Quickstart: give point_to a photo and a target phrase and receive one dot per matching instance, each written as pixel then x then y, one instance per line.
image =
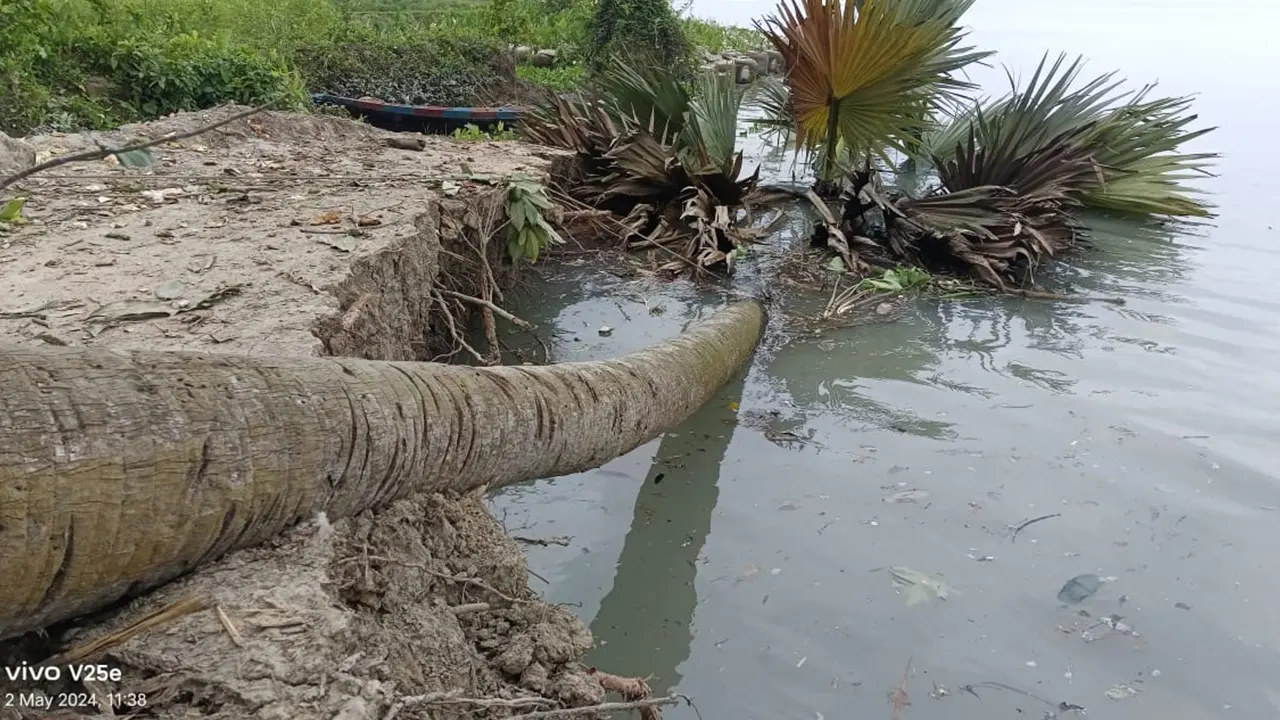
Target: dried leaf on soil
pixel 333 217
pixel 343 243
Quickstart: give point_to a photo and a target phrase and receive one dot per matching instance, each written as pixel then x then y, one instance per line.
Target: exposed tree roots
pixel 471 284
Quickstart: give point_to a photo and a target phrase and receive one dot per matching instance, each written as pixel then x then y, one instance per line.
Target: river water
pixel 744 563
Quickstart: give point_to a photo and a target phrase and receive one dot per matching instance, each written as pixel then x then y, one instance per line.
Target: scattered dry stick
pixel 229 626
pixel 444 576
pixel 169 613
pixel 1023 526
pixel 452 698
pixel 101 153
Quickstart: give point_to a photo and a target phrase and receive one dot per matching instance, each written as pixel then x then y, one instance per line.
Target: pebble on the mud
pixel 605 331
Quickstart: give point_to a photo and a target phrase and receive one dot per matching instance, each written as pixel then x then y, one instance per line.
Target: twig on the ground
pixel 446 576
pixel 465 608
pixel 591 710
pixel 101 153
pixel 168 613
pixel 1032 521
pixel 229 626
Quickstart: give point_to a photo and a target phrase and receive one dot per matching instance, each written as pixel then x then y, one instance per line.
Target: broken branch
pixel 101 153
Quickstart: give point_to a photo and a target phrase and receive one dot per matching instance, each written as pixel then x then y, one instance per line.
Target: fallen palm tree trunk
pixel 122 470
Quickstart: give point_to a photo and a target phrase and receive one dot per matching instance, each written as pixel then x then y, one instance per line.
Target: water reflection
pixel 644 624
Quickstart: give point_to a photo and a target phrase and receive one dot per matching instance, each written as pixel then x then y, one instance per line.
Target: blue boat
pixel 428 118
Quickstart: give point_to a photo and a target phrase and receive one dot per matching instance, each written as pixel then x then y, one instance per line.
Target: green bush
pixel 714 37
pixel 432 70
pixel 643 32
pixel 160 75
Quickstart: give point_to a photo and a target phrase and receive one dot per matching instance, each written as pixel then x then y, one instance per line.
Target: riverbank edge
pixel 422 609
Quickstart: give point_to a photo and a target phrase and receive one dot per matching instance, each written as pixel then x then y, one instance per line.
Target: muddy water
pixel 742 559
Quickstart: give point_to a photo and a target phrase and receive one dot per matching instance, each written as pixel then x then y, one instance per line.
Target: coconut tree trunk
pixel 122 470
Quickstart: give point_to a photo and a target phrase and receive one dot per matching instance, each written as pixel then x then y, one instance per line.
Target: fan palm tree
pixel 867 74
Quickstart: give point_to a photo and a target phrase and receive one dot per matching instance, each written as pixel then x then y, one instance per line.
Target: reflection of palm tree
pixel 643 625
pixel 817 375
pixel 1129 259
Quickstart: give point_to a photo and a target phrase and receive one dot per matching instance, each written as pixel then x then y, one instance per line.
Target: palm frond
pixel 868 71
pixel 1143 172
pixel 711 127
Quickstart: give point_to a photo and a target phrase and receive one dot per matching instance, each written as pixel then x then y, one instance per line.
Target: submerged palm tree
pixel 1005 176
pixel 998 181
pixel 660 153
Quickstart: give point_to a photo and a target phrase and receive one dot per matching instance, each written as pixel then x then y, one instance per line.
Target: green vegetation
pixel 911 169
pixel 70 64
pixel 528 232
pixel 473 133
pixel 560 79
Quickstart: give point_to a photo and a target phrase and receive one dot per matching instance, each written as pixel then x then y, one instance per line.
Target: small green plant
pixel 472 133
pixel 900 279
pixel 528 232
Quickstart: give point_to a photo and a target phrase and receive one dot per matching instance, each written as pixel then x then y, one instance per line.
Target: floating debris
pixel 1080 588
pixel 918 587
pixel 907 496
pixel 1121 691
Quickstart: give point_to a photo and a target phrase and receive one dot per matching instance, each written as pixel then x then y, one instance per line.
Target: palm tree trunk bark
pixel 122 470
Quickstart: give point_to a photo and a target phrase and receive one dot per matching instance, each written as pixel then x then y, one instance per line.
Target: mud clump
pixel 415 607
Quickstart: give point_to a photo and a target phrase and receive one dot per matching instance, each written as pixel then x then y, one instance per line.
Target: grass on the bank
pixel 72 64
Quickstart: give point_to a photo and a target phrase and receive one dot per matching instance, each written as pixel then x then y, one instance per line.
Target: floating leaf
pixel 918 587
pixel 907 496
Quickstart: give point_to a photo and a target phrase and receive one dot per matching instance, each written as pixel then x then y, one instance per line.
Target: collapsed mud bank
pixel 288 234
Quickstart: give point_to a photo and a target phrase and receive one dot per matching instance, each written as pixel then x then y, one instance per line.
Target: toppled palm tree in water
pixel 870 79
pixel 661 155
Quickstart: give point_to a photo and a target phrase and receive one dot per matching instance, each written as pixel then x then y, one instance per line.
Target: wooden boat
pixel 429 118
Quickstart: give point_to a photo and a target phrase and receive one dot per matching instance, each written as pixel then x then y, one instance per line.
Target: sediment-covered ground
pixel 310 235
